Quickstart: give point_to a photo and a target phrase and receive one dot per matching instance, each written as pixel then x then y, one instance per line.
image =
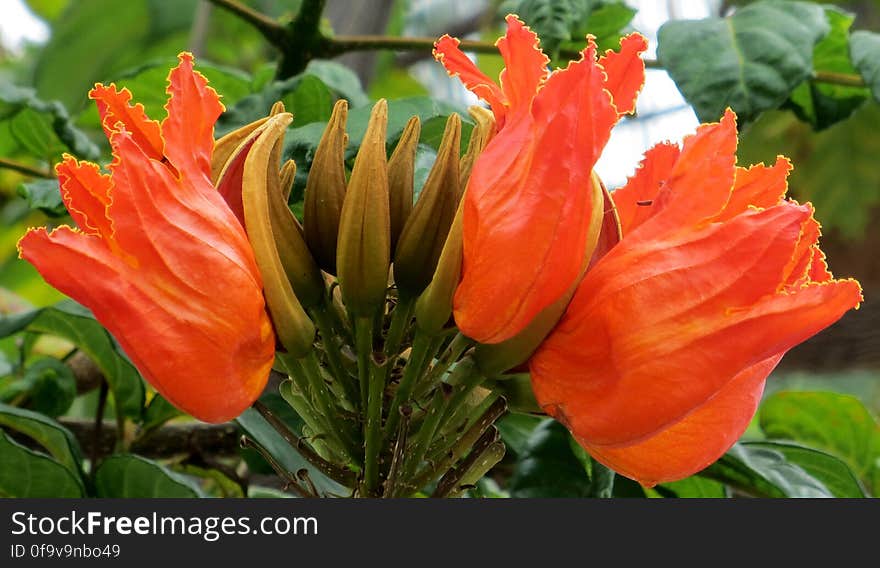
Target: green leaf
pixel 837 423
pixel 158 412
pixel 42 128
pixel 45 195
pixel 52 386
pixel 516 429
pixel 256 428
pixel 55 438
pixel 340 79
pixel 764 469
pixel 605 22
pixel 865 53
pixel 148 82
pixel 830 470
pixel 835 169
pixel 33 130
pixel 750 61
pixel 823 104
pixel 47 9
pixel 694 487
pixel 26 473
pixel 73 322
pixel 552 20
pixel 311 101
pixel 95 40
pixel 547 467
pixel 131 476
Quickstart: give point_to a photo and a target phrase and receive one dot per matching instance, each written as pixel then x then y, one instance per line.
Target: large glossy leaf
pixel 342 80
pixel 547 467
pixel 750 61
pixel 311 101
pixel 55 438
pixel 865 53
pixel 837 423
pixel 516 429
pixel 91 41
pixel 40 128
pixel 131 476
pixel 830 470
pixel 26 473
pixel 820 103
pixel 835 169
pixel 43 194
pixel 74 323
pixel 693 487
pixel 51 386
pixel 774 469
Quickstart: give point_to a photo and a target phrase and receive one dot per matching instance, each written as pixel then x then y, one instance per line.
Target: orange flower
pixel 530 200
pixel 659 363
pixel 159 257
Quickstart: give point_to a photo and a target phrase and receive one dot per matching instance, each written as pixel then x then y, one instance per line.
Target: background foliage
pixel 77 420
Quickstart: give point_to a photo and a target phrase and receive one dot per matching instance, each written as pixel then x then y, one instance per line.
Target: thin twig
pixel 94 454
pixel 271 30
pixel 8 164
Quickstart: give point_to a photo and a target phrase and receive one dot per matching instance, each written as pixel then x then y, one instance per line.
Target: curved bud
pixel 401 168
pixel 288 176
pixel 294 329
pixel 325 190
pixel 225 147
pixel 483 131
pixel 496 358
pixel 364 244
pixel 434 306
pixel 424 234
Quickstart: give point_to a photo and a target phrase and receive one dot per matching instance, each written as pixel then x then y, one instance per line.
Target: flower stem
pixel 373 424
pixel 419 358
pixel 363 337
pixel 342 377
pixel 487 452
pixel 334 472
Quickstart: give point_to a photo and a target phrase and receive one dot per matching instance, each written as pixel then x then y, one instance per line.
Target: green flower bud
pixel 401 168
pixel 325 190
pixel 294 329
pixel 424 233
pixel 363 255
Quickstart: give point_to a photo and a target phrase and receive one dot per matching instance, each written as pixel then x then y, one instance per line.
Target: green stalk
pixel 423 437
pixel 338 427
pixel 363 337
pixel 462 444
pixel 332 348
pixel 373 426
pixel 419 359
pixel 487 452
pixel 400 319
pixel 450 355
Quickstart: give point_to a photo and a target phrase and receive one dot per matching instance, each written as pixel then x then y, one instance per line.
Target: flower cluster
pixel 648 317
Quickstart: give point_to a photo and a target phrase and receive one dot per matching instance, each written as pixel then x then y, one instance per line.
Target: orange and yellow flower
pixel 660 360
pixel 160 257
pixel 531 204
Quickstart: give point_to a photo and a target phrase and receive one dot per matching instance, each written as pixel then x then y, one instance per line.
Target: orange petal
pixel 797 271
pixel 758 186
pixel 610 233
pixel 457 64
pixel 525 63
pixel 187 219
pixel 626 72
pixel 115 107
pixel 818 267
pixel 697 440
pixel 634 201
pixel 700 185
pixel 86 194
pixel 527 213
pixel 193 108
pixel 229 185
pixel 656 329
